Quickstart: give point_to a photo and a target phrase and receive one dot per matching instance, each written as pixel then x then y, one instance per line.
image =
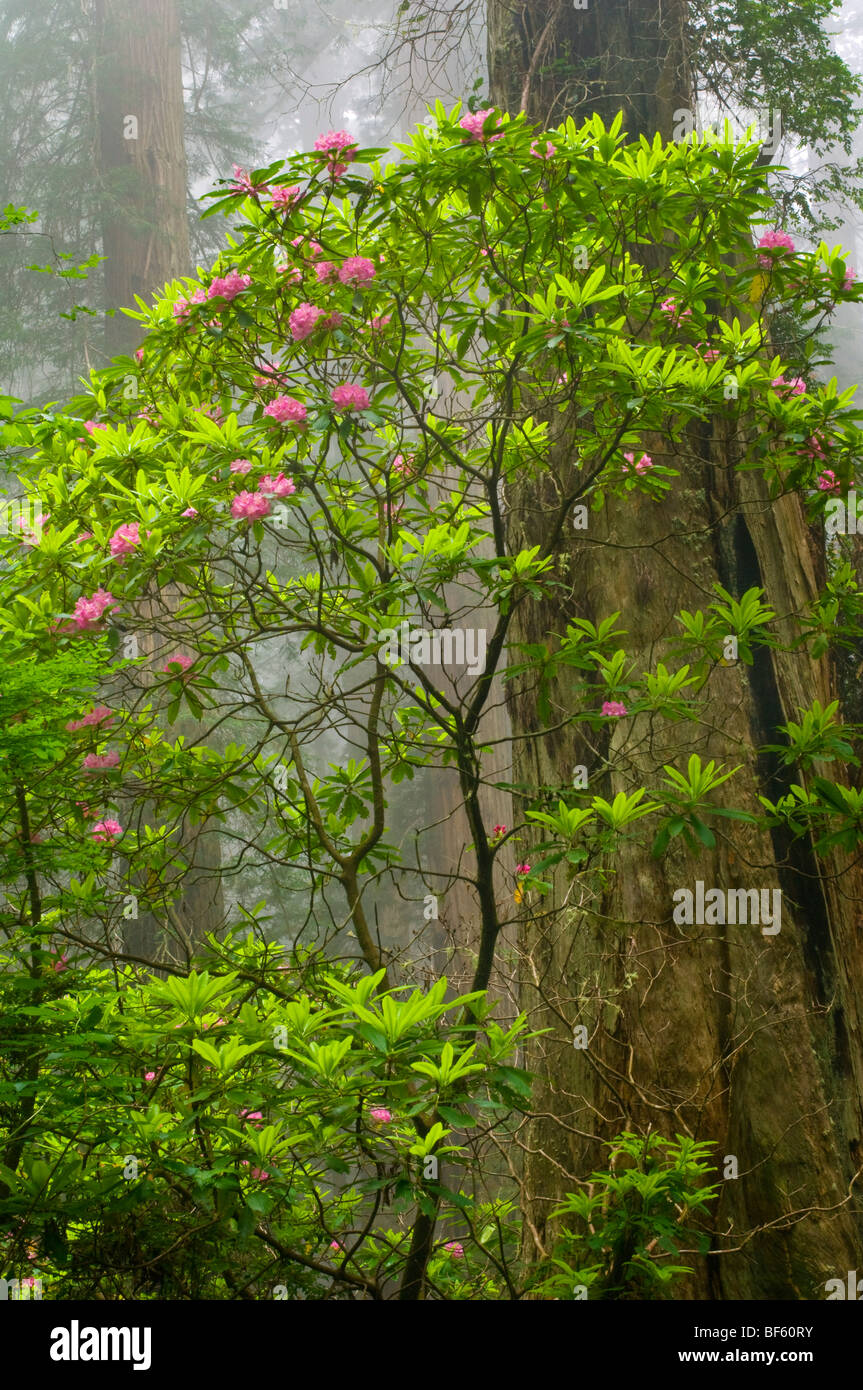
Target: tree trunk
pixel 748 1041
pixel 139 97
pixel 145 240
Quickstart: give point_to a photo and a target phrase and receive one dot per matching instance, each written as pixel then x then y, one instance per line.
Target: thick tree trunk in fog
pixel 139 95
pixel 553 60
pixel 145 235
pixel 754 1043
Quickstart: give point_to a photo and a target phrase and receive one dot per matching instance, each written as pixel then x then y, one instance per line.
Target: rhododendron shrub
pixel 335 430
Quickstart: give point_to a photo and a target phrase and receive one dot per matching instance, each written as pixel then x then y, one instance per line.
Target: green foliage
pixel 350 524
pixel 236 1130
pixel 625 1231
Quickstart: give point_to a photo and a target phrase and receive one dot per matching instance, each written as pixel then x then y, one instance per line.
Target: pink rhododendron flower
pixel 183 307
pixel 350 397
pixel 124 540
pixel 92 425
pixel 98 715
pixel 285 198
pixel 280 486
pixel 286 411
pixel 241 466
pixel 613 709
pixel 670 306
pixel 498 830
pixel 796 385
pixel 249 506
pixel 251 1115
pixel 149 1076
pixel 403 465
pixel 190 511
pixel 357 270
pixel 774 241
pixel 522 869
pixel 827 481
pixel 815 446
pixel 380 1115
pixel 334 320
pixel 107 830
pixel 455 1249
pixel 542 154
pixel 32 536
pixel 184 662
pixel 95 762
pixel 850 277
pixel 84 536
pixel 473 124
pixel 88 611
pixel 325 271
pixel 377 325
pixel 229 286
pixel 304 320
pixel 243 183
pixel 642 466
pixel 335 1245
pixel 314 247
pixel 139 355
pixel 337 142
pixel 268 374
pixel 61 963
pixel 257 1173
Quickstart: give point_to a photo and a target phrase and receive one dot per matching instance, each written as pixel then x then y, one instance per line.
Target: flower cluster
pixel 350 397
pixel 357 270
pixel 335 146
pixel 675 312
pixel 773 241
pixel 641 466
pixel 96 762
pixel 473 124
pixel 613 709
pixel 183 307
pixel 178 660
pixel 304 320
pixel 106 831
pixel 89 611
pixel 249 506
pixel 98 715
pixel 285 198
pixel 827 481
pixel 796 385
pixel 243 184
pixel 229 286
pixel 286 411
pixel 280 486
pixel 124 540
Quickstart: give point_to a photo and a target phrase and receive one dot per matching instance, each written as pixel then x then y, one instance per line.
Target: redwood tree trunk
pixel 145 240
pixel 139 95
pixel 752 1042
